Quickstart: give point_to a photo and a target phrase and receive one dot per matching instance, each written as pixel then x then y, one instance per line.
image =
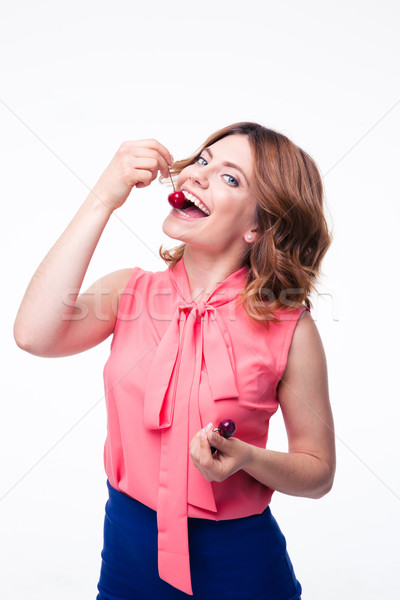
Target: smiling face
pixel 220 181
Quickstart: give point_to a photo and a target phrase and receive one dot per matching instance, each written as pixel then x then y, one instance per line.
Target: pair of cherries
pixel 226 429
pixel 176 199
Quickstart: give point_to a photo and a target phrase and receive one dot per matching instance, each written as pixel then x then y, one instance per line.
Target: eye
pixel 202 161
pixel 231 180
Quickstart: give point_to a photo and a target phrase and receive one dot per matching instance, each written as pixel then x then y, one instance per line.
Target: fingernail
pixel 202 434
pixel 208 427
pixel 213 436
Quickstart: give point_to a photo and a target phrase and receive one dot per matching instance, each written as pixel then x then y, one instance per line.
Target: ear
pixel 251 235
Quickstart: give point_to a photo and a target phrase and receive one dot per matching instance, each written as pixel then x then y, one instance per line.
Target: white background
pixel 78 78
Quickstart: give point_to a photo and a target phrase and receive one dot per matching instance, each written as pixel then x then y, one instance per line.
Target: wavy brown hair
pixel 284 262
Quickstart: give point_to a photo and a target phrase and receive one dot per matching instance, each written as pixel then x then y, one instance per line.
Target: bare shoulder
pixel 105 292
pixel 306 373
pixel 117 279
pixel 306 362
pixel 114 282
pixel 306 349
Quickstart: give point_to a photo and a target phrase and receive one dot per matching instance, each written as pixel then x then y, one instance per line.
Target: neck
pixel 206 272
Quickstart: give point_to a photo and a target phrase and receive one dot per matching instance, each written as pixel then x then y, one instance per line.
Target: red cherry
pixel 177 199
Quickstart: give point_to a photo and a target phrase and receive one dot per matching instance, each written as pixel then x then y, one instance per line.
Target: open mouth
pixel 193 207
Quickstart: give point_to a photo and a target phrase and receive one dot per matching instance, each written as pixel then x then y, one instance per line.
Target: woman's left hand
pixel 231 456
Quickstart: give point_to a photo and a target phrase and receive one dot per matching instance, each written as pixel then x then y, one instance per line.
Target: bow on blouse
pixel 171 405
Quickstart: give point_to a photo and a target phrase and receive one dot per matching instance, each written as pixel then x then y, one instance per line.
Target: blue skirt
pixel 236 559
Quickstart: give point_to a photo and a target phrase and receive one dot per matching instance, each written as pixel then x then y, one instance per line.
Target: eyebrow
pixel 229 164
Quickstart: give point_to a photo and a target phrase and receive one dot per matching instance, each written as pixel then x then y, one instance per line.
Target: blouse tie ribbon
pixel 171 405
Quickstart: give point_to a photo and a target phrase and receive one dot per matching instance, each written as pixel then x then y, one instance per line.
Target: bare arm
pixel 50 321
pixel 44 315
pixel 309 466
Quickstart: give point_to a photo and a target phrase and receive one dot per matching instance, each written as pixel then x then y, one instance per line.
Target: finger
pixel 199 444
pixel 152 155
pixel 158 147
pixel 144 178
pixel 165 153
pixel 205 454
pixel 216 440
pixel 204 432
pixel 145 164
pixel 194 447
pixel 204 446
pixel 209 466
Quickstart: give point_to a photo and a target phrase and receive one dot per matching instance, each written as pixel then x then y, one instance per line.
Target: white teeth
pixel 182 213
pixel 197 202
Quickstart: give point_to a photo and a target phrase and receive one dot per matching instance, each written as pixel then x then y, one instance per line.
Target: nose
pixel 198 175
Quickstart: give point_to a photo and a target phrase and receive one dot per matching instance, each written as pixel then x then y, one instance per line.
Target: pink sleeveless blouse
pixel 176 365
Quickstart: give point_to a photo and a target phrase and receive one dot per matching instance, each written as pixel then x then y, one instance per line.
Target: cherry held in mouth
pixel 176 199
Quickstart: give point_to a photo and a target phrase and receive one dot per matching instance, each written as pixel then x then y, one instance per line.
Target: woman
pixel 224 332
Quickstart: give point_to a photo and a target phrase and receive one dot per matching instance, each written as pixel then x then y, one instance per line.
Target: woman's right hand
pixel 134 164
pixel 51 321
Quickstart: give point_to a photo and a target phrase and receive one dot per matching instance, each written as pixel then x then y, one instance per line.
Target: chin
pixel 169 231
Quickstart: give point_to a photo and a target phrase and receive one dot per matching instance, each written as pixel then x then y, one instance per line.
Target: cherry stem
pixel 172 181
